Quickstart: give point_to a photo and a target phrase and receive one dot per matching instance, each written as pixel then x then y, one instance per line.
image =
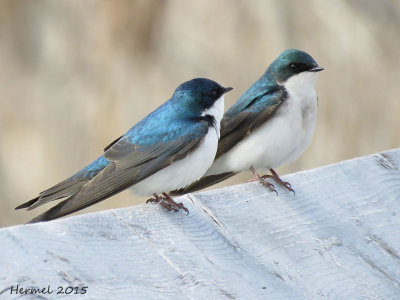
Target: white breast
pixel 283 138
pixel 189 169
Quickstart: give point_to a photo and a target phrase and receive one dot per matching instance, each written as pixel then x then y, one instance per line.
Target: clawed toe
pixel 275 177
pixel 181 206
pixel 269 185
pixel 157 199
pixel 168 203
pixel 288 186
pixel 173 206
pixel 284 184
pixel 262 180
pixel 168 206
pixel 152 200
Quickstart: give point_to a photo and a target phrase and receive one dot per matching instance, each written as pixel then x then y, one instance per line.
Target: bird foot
pixel 157 199
pixel 282 183
pixel 269 185
pixel 167 202
pixel 263 181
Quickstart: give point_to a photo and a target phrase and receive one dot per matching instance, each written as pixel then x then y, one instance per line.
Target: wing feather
pixel 238 124
pixel 129 164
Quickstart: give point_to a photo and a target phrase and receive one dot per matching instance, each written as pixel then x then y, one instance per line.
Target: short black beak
pixel 227 89
pixel 316 69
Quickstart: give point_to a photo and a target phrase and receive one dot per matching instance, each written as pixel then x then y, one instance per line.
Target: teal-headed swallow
pixel 170 148
pixel 272 123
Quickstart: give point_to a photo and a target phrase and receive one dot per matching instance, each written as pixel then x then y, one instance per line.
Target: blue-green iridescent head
pixel 291 62
pixel 199 94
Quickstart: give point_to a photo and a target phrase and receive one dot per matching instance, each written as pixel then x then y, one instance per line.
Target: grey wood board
pixel 337 238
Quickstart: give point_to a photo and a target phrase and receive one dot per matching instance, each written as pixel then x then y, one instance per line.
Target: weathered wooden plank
pixel 337 238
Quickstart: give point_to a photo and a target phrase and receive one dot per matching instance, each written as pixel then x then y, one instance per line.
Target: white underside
pixel 283 138
pixel 189 169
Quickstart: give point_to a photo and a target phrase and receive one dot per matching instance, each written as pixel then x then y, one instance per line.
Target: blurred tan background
pixel 75 75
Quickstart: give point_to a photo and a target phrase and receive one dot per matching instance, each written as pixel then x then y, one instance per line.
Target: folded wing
pixel 128 163
pixel 237 124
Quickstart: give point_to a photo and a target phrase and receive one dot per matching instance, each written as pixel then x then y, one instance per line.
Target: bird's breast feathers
pixel 281 139
pixel 187 170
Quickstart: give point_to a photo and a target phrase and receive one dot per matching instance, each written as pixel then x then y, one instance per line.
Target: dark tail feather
pixel 27 204
pixel 53 213
pixel 203 183
pixel 64 189
pixel 72 204
pixel 88 195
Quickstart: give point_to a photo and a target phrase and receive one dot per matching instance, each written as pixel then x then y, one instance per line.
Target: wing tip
pixel 53 213
pixel 41 218
pixel 203 183
pixel 27 204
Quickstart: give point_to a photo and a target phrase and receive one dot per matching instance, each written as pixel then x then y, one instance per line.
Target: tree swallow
pixel 272 122
pixel 170 148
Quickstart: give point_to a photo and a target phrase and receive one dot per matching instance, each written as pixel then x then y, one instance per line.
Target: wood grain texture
pixel 337 238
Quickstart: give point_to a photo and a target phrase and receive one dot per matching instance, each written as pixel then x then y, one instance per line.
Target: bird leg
pixel 174 205
pixel 167 202
pixel 262 180
pixel 276 177
pixel 157 199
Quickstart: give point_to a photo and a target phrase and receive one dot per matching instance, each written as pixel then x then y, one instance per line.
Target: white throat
pixel 216 111
pixel 282 138
pixel 301 84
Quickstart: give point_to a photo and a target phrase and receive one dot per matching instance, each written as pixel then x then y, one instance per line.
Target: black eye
pixel 214 93
pixel 294 67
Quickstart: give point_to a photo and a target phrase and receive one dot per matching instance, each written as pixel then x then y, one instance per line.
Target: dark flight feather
pixel 112 143
pixel 129 165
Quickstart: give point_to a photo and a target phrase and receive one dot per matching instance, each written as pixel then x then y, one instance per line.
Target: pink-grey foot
pixel 160 200
pixel 157 199
pixel 262 180
pixel 174 205
pixel 282 183
pixel 167 202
